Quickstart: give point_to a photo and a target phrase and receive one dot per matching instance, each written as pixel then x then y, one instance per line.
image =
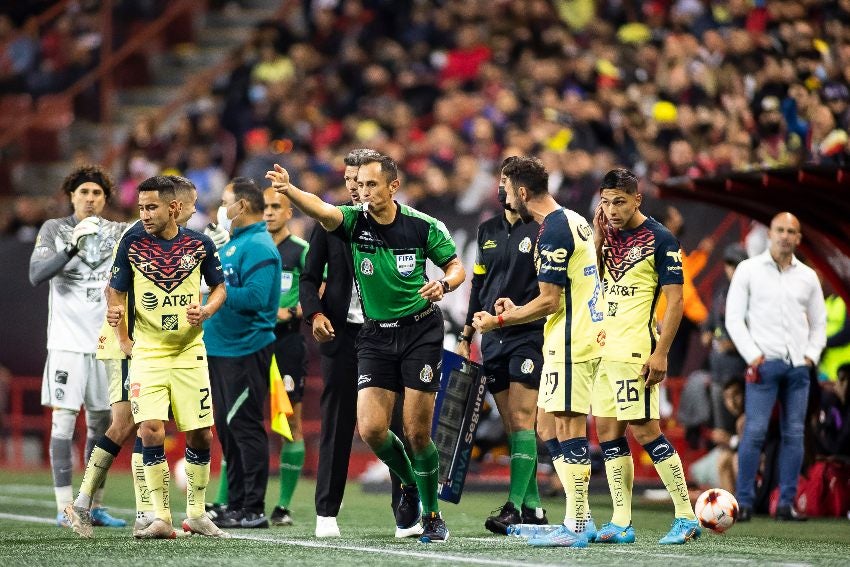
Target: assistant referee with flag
pixel 399 348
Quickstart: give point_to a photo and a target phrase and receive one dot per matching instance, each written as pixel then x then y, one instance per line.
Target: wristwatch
pixel 446 287
pixel 464 338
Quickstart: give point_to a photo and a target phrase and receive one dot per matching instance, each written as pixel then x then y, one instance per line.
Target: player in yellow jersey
pixel 160 329
pixel 570 293
pixel 122 428
pixel 639 259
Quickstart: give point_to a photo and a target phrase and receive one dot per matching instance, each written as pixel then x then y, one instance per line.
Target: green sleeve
pixel 349 216
pixel 441 247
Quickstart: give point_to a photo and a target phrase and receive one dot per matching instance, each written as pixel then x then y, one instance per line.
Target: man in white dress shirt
pixel 776 317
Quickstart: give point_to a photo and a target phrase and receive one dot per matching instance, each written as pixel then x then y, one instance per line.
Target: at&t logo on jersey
pixel 149 301
pixel 405 263
pixel 366 267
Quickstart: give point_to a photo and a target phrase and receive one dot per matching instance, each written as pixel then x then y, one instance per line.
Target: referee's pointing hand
pixel 280 179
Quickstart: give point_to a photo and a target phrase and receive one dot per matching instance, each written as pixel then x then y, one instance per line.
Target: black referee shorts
pixel 407 355
pixel 291 355
pixel 515 359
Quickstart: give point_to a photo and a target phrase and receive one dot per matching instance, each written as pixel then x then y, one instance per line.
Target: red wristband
pixel 501 321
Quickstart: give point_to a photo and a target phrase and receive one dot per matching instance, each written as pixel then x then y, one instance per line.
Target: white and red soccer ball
pixel 716 509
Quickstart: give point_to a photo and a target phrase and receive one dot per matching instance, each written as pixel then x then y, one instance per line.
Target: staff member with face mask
pixel 239 340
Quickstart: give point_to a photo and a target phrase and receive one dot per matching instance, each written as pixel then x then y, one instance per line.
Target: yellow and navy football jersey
pixel 566 256
pixel 638 263
pixel 162 278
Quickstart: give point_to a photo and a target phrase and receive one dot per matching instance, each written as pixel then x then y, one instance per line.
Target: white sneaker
pixel 80 520
pixel 158 529
pixel 143 520
pixel 202 525
pixel 326 527
pixel 413 531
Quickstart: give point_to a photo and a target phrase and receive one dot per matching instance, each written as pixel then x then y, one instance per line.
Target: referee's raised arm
pixel 328 215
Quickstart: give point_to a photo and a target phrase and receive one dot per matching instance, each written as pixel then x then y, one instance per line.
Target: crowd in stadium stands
pixel 667 88
pixel 47 57
pixel 684 88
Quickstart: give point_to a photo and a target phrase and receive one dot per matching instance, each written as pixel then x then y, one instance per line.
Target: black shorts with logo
pixel 518 358
pixel 290 352
pixel 406 353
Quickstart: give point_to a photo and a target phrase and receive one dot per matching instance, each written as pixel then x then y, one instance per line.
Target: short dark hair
pixel 529 173
pixel 356 157
pixel 88 174
pixel 388 166
pixel 246 188
pixel 507 161
pixel 161 183
pixel 182 184
pixel 622 179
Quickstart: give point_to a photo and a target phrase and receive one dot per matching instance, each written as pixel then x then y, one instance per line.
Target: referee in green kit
pixel 399 349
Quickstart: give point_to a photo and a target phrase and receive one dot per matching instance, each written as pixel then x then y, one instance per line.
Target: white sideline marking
pixel 12 489
pixel 455 558
pixel 400 553
pixel 32 519
pixel 52 504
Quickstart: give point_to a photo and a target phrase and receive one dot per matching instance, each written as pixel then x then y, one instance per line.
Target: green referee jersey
pixel 293 256
pixel 389 260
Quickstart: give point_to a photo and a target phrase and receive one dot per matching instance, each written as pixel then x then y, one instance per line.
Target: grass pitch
pixel 28 536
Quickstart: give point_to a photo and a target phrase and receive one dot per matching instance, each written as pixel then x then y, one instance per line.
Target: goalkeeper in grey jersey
pixel 74 253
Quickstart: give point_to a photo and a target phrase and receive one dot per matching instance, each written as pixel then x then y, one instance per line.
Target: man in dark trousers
pixel 240 340
pixel 335 317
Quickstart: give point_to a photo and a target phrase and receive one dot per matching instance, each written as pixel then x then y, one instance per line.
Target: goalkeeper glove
pixel 217 234
pixel 85 227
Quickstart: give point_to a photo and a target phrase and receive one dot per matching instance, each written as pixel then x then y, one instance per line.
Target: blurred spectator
pixel 695 311
pixel 208 178
pixel 837 352
pixel 833 419
pixel 723 359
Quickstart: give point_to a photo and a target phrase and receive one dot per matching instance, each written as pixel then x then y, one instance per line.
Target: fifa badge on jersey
pixel 405 263
pixel 527 366
pixel 525 245
pixel 170 322
pixel 285 281
pixel 366 267
pixel 426 374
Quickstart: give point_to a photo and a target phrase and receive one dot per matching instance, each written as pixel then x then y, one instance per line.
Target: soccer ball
pixel 716 509
pixel 179 476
